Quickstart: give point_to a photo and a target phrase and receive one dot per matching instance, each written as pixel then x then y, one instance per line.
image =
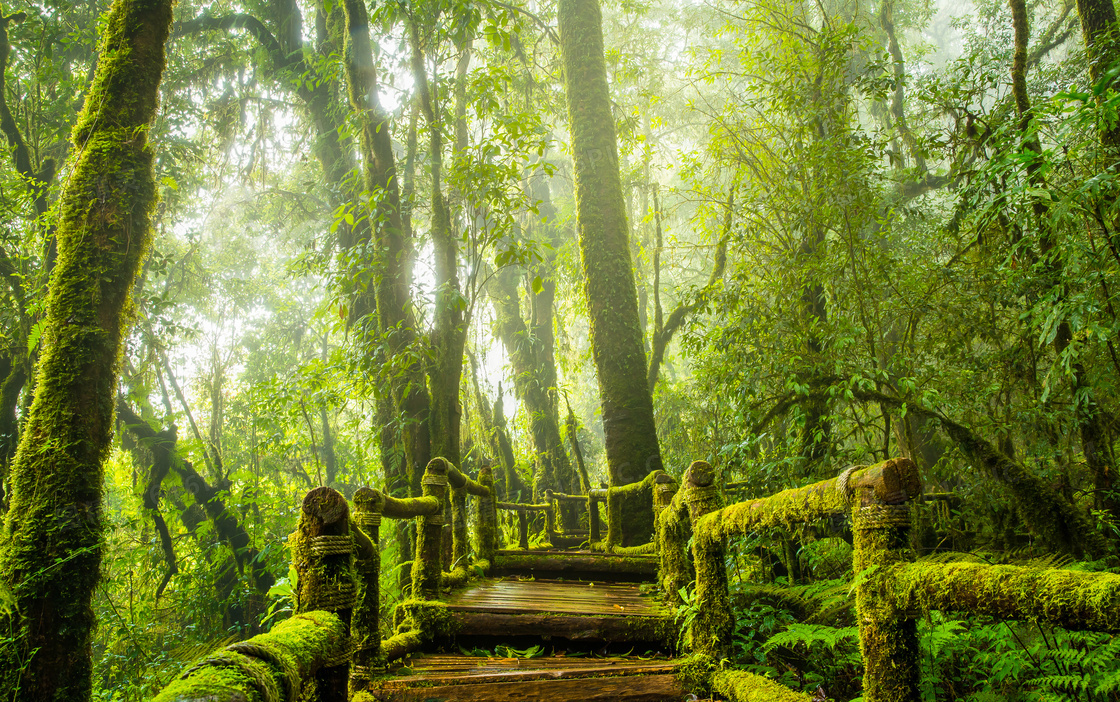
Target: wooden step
pixel 430 678
pixel 587 565
pixel 572 610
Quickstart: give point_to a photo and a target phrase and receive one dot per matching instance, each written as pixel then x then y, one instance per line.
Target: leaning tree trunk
pixel 616 337
pixel 51 558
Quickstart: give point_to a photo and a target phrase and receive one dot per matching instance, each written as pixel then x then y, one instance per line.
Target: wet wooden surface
pixel 556 678
pixel 513 596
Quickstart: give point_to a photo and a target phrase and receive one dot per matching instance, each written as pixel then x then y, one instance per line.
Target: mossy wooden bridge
pixel 602 600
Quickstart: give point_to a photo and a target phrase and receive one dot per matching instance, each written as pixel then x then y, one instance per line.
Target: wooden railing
pixel 334 640
pixel 891 590
pixel 554 533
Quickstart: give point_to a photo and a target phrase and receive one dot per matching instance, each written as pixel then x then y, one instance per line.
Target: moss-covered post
pixel 50 561
pixel 486 525
pixel 323 558
pixel 674 570
pixel 460 533
pixel 712 627
pixel 365 625
pixel 427 566
pixel 594 528
pixel 523 530
pixel 551 516
pixel 888 637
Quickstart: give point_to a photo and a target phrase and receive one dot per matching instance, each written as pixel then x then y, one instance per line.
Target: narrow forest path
pixel 564 638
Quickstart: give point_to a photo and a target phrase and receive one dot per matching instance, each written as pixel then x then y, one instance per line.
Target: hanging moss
pixel 740 686
pixel 266 668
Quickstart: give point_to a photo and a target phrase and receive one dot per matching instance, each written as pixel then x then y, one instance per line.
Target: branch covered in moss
pixel 740 686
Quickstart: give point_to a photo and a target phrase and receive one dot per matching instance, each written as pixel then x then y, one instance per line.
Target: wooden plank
pixel 448 670
pixel 605 599
pixel 567 626
pixel 640 688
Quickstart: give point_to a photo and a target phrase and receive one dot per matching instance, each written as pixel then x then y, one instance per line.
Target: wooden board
pixel 574 627
pixel 450 670
pixel 511 596
pixel 628 688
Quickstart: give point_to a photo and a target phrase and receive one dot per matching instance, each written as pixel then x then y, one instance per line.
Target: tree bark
pixel 51 559
pixel 616 337
pixel 379 173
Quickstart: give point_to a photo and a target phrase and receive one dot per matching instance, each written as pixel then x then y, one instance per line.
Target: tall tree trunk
pixel 1098 27
pixel 1086 411
pixel 51 558
pixel 616 337
pixel 449 335
pixel 379 172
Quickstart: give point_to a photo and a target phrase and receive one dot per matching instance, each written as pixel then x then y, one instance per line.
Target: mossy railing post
pixel 551 516
pixel 664 487
pixel 486 525
pixel 880 534
pixel 523 530
pixel 365 628
pixel 673 529
pixel 427 566
pixel 322 555
pixel 460 534
pixel 594 521
pixel 712 627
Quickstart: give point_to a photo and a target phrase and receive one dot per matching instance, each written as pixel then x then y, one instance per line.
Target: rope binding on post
pixel 331 545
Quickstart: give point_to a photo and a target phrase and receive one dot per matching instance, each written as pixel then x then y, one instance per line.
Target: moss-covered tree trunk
pixel 51 556
pixel 616 337
pixel 1098 28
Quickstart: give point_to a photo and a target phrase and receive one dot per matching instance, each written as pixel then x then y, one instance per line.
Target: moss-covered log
pixel 1071 599
pixel 266 668
pixel 51 558
pixel 612 300
pixel 740 686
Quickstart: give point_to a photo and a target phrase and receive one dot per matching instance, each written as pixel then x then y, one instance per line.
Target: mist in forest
pixel 251 248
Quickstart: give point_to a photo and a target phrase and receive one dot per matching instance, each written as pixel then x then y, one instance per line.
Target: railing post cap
pixel 326 504
pixel 699 474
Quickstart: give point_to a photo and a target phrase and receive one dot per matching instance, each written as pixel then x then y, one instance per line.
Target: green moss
pixel 51 559
pixel 427 566
pixel 432 620
pixel 1067 598
pixel 888 637
pixel 268 665
pixel 740 686
pixel 675 570
pixel 694 674
pixel 892 482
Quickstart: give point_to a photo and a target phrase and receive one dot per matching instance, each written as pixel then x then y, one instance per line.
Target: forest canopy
pixel 249 248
